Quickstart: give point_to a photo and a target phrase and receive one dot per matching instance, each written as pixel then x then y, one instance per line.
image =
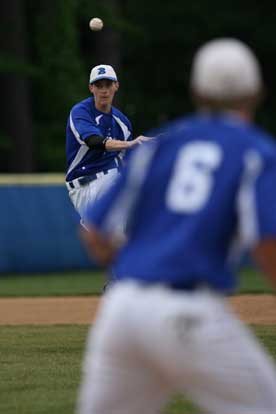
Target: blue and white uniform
pixel 90 171
pixel 198 206
pixel 193 200
pixel 86 120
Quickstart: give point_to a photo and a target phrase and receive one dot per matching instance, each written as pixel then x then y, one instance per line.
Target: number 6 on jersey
pixel 192 179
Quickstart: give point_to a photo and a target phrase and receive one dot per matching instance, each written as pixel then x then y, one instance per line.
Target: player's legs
pixel 112 385
pixel 197 344
pixel 89 193
pixel 117 378
pixel 218 362
pixel 150 341
pixel 102 185
pixel 243 378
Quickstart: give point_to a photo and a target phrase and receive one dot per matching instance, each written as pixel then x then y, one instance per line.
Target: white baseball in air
pixel 96 24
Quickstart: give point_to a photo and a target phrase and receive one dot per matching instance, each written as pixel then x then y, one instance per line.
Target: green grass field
pixel 41 365
pixel 91 283
pixel 55 284
pixel 40 368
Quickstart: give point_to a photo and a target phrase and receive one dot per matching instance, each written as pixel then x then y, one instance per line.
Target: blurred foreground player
pixel 195 199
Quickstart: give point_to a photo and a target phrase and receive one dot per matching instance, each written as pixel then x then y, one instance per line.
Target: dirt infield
pixel 257 309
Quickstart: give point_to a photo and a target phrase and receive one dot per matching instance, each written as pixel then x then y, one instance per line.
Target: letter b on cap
pixel 101 71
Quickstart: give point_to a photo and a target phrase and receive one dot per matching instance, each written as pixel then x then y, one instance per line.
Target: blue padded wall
pixel 39 230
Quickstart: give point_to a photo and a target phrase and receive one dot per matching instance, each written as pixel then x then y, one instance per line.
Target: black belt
pixel 86 179
pixel 189 286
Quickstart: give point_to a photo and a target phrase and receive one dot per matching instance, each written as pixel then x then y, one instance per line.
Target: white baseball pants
pixel 81 196
pixel 149 342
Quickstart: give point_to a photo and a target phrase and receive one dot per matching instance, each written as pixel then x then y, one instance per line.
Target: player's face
pixel 104 91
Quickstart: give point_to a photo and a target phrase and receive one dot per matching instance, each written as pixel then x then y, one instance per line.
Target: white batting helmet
pixel 225 69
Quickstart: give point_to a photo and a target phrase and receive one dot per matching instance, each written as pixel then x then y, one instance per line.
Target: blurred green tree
pixel 44 64
pixel 16 133
pixel 62 77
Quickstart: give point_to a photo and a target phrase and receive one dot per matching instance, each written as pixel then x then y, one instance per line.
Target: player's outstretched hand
pixel 140 140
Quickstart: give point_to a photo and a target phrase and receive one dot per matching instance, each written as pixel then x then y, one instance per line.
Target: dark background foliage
pixel 47 51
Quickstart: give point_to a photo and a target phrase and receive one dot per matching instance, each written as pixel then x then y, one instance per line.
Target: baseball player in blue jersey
pixel 195 200
pixel 97 134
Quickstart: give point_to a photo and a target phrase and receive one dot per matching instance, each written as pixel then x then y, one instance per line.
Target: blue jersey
pixel 85 120
pixel 194 199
